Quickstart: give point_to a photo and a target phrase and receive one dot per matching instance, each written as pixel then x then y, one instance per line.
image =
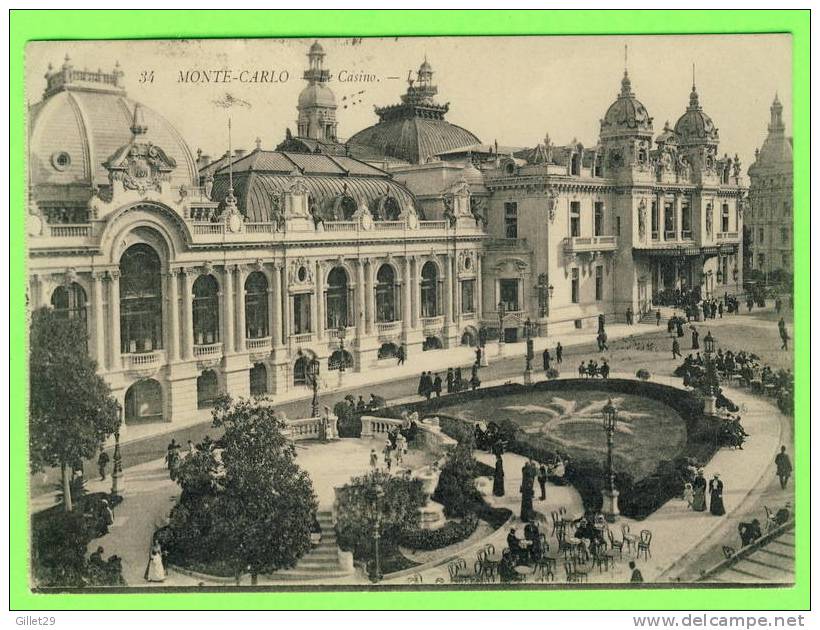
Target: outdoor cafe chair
pixel 644 543
pixel 630 540
pixel 574 572
pixel 415 579
pixel 545 569
pixel 615 544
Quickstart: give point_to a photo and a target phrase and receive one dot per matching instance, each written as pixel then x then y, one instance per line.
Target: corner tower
pixel 317 103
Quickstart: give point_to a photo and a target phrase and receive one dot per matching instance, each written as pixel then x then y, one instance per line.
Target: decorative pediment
pixel 511 265
pixel 300 273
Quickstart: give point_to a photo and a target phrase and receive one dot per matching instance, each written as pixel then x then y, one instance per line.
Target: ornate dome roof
pixel 85 119
pixel 316 49
pixel 695 126
pixel 317 95
pixel 626 114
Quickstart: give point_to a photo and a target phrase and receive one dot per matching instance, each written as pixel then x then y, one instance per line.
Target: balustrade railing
pixel 208 228
pixel 70 230
pixel 143 360
pixel 301 338
pixel 260 228
pixel 433 225
pixel 339 226
pixel 257 344
pixel 388 327
pixel 207 350
pixel 389 225
pixel 727 236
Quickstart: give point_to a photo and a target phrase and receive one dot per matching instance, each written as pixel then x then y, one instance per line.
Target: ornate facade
pixel 769 224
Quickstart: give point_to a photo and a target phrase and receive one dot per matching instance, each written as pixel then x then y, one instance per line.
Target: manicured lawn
pixel 571 421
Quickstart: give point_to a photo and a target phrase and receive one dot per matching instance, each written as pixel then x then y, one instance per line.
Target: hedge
pixel 450 533
pixel 637 499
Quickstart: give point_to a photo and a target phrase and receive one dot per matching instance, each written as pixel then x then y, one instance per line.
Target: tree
pixel 456 489
pixel 71 410
pixel 362 508
pixel 244 500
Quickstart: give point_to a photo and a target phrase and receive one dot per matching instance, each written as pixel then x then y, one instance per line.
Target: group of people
pixel 105 572
pixel 361 406
pixel 750 532
pixel 591 369
pixel 396 445
pixel 532 472
pixel 528 550
pixel 174 456
pixel 548 358
pixel 676 298
pixel 695 490
pixel 431 384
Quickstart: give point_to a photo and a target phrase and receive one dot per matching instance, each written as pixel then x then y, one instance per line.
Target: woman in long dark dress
pixel 699 492
pixel 695 335
pixel 716 496
pixel 498 477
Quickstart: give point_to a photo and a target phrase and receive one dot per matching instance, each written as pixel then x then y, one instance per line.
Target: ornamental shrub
pixel 448 534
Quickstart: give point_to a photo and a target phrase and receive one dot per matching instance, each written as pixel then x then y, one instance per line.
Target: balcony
pixel 301 338
pixel 255 345
pixel 433 225
pixel 432 325
pixel 71 230
pixel 506 244
pixel 388 328
pixel 144 363
pixel 728 236
pixel 389 225
pixel 340 226
pixel 207 350
pixel 332 334
pixel 579 244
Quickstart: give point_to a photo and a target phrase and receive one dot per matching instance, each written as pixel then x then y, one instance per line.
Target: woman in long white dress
pixel 155 572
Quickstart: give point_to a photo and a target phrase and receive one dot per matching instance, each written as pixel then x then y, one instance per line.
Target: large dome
pixel 626 114
pixel 77 128
pixel 695 126
pixel 414 140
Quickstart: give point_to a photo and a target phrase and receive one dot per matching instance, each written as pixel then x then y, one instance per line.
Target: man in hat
pixel 784 467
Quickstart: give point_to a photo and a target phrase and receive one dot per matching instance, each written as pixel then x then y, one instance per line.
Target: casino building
pixel 197 277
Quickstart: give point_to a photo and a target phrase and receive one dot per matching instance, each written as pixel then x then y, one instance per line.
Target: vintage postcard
pixel 410 313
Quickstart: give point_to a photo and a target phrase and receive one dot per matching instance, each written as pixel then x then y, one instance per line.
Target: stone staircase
pixel 321 562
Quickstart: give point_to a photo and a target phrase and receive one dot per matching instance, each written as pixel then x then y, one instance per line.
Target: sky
pixel 511 89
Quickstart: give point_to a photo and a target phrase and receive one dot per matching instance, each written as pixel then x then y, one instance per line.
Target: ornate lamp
pixel 502 312
pixel 377 522
pixel 341 334
pixel 710 402
pixel 116 473
pixel 734 274
pixel 314 381
pixel 528 330
pixel 719 276
pixel 610 494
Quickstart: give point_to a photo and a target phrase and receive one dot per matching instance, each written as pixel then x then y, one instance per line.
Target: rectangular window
pixel 468 296
pixel 760 235
pixel 575 287
pixel 669 231
pixel 761 261
pixel 599 218
pixel 599 169
pixel 724 218
pixel 599 283
pixel 301 314
pixel 617 226
pixel 784 236
pixel 655 221
pixel 686 220
pixel 574 218
pixel 509 293
pixel 511 219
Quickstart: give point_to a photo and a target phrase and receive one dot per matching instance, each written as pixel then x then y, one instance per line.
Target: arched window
pixel 259 379
pixel 386 294
pixel 207 389
pixel 429 290
pixel 338 358
pixel 256 306
pixel 206 310
pixel 140 300
pixel 388 350
pixel 300 371
pixel 69 302
pixel 143 402
pixel 392 209
pixel 346 208
pixel 337 299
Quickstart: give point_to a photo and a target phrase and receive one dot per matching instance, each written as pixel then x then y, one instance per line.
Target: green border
pixel 99 24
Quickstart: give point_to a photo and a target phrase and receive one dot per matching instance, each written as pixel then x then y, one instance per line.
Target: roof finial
pixel 230 198
pixel 693 77
pixel 258 143
pixel 138 126
pixel 626 59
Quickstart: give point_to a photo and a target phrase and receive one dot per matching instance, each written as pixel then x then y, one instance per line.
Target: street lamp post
pixel 530 353
pixel 376 576
pixel 502 312
pixel 610 494
pixel 544 295
pixel 341 335
pixel 116 473
pixel 314 382
pixel 482 342
pixel 710 400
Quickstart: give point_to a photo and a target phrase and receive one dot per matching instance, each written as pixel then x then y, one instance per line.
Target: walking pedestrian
pixel 546 359
pixel 695 336
pixel 374 458
pixel 716 496
pixel 420 390
pixel 478 356
pixel 542 481
pixel 388 451
pixel 629 315
pixel 559 353
pixel 400 356
pixel 699 491
pixel 676 349
pixel 498 476
pixel 102 462
pixel 784 467
pixel 658 318
pixel 450 377
pixel 437 386
pixel 155 571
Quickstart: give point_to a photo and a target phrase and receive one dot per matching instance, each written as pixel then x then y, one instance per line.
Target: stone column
pixel 226 299
pixel 188 314
pixel 416 289
pixel 407 300
pixel 173 333
pixel 275 307
pixel 320 302
pixel 360 299
pixel 448 290
pixel 678 217
pixel 370 298
pixel 479 291
pixel 287 317
pixel 239 305
pixel 99 320
pixel 114 318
